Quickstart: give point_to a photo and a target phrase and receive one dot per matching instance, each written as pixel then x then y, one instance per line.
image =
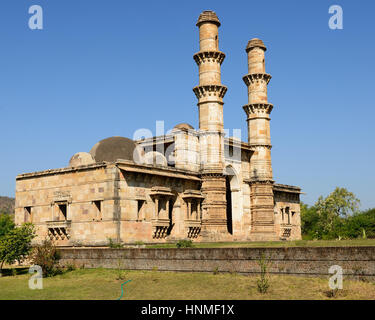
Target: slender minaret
pixel 210 94
pixel 258 119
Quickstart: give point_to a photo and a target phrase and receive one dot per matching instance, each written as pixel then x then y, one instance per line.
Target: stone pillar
pixel 258 118
pixel 210 94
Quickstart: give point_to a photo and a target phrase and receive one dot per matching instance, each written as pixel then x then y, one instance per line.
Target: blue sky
pixel 107 68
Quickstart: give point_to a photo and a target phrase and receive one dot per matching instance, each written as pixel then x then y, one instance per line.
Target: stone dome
pixel 254 43
pixel 81 159
pixel 113 149
pixel 208 16
pixel 183 126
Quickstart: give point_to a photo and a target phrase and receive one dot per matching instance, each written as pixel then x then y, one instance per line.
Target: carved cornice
pixel 210 90
pixel 255 146
pixel 256 181
pixel 209 56
pixel 254 77
pixel 258 108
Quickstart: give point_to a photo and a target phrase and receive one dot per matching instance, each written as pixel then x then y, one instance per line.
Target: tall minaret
pixel 210 94
pixel 258 118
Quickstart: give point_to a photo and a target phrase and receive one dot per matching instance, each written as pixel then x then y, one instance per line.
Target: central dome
pixel 113 149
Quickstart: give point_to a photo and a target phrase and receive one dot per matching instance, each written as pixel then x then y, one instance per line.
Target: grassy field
pixel 299 243
pixel 91 284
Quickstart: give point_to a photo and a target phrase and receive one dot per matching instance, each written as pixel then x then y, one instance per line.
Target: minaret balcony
pixel 210 90
pixel 209 56
pixel 255 110
pixel 256 77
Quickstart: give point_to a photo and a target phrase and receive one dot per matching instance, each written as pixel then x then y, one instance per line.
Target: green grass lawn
pixel 299 243
pixel 92 284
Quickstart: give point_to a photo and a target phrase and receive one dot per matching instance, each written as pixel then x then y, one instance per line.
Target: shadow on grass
pixel 10 272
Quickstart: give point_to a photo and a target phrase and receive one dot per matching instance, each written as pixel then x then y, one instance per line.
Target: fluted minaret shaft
pixel 210 93
pixel 258 111
pixel 258 118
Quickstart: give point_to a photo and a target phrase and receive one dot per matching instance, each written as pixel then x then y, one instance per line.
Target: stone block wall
pixel 310 261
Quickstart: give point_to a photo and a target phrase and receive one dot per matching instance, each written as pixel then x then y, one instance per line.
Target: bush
pixel 70 267
pixel 114 245
pixel 184 244
pixel 47 257
pixel 263 283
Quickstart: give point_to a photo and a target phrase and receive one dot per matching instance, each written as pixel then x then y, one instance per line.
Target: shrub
pixel 47 257
pixel 114 245
pixel 263 283
pixel 121 274
pixel 70 267
pixel 184 244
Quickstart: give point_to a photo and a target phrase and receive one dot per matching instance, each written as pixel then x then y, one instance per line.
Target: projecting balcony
pixel 193 228
pixel 160 227
pixel 59 230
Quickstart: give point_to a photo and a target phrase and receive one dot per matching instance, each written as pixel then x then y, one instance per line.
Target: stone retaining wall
pixel 311 261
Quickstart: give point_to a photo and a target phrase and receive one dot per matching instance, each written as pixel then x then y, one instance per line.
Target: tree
pixel 309 221
pixel 16 244
pixel 6 224
pixel 339 204
pixel 360 225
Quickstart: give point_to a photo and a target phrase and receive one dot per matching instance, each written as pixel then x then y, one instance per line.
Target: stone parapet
pixel 302 261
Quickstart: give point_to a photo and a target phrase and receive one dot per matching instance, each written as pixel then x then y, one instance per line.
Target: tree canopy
pixel 337 216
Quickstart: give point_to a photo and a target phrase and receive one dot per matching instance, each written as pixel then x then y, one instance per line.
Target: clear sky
pixel 107 68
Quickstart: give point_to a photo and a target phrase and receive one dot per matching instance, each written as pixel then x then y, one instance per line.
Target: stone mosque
pixel 190 183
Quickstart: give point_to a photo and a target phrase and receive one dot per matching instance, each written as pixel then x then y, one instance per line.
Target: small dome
pixel 81 159
pixel 208 16
pixel 255 43
pixel 183 126
pixel 113 149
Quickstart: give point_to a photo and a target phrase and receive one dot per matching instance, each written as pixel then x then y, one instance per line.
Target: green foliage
pixel 6 224
pixel 70 267
pixel 263 282
pixel 47 257
pixel 216 271
pixel 184 244
pixel 15 245
pixel 114 245
pixel 337 217
pixel 120 274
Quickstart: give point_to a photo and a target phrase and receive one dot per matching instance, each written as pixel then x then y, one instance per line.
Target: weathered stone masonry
pixel 304 261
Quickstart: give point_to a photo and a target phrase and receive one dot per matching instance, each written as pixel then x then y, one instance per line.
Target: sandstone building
pixel 187 184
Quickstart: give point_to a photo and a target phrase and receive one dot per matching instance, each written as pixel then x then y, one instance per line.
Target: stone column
pixel 156 214
pixel 210 94
pixel 258 118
